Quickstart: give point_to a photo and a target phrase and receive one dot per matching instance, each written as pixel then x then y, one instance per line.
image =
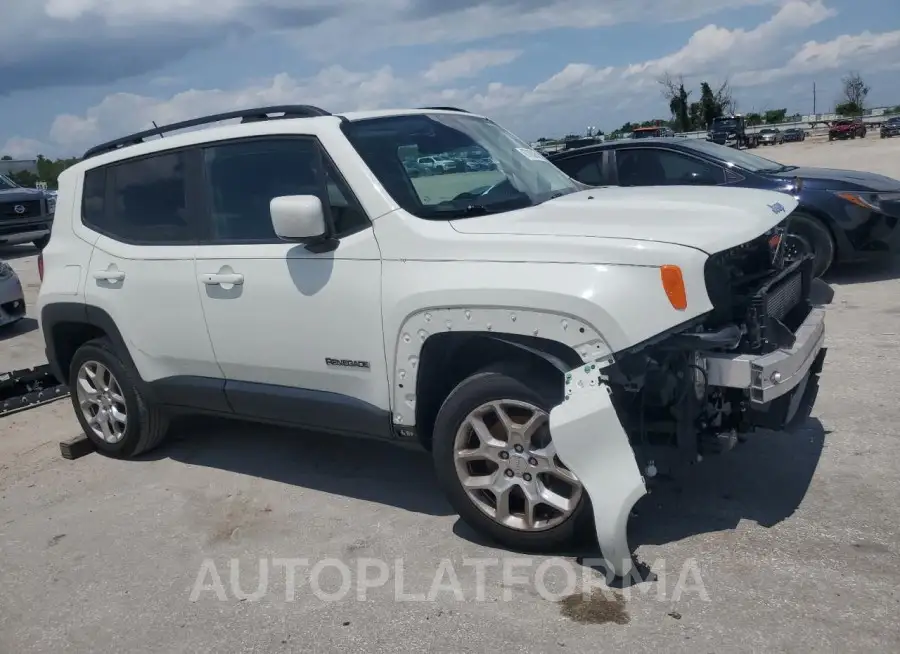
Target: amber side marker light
pixel 673 284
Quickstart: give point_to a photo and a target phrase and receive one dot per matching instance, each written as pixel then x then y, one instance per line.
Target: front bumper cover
pixel 591 441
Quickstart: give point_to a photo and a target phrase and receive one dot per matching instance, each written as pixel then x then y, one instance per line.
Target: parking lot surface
pixel 788 543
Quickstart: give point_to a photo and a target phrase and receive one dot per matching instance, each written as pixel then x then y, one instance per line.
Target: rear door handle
pixel 216 279
pixel 109 275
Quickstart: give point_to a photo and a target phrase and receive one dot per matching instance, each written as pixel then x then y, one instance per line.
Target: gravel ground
pixel 788 544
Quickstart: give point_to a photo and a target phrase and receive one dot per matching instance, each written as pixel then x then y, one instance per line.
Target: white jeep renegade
pixel 288 269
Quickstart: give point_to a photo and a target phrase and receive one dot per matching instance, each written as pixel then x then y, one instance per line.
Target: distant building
pixel 18 165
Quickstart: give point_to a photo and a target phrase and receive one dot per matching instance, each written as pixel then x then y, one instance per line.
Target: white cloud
pixel 468 64
pixel 580 89
pixel 23 148
pixel 82 42
pixel 872 51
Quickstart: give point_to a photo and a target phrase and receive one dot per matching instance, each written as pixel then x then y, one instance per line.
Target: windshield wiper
pixel 780 169
pixel 478 209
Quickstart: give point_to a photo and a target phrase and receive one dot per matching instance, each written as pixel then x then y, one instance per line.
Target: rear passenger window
pixel 93 199
pixel 585 169
pixel 146 201
pixel 242 178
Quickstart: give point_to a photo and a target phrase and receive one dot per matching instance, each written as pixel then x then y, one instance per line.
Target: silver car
pixel 771 136
pixel 12 299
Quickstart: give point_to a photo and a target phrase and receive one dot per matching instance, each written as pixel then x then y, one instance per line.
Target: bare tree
pixel 725 99
pixel 676 95
pixel 855 90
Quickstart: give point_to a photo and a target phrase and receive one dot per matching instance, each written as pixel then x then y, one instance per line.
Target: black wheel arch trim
pixel 842 245
pixel 76 313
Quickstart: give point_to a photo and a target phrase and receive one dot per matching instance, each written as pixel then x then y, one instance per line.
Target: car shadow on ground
pixel 23 326
pixel 763 480
pixel 357 468
pixel 861 273
pixel 12 252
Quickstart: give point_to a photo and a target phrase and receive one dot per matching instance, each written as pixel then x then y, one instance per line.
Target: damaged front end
pixel 751 363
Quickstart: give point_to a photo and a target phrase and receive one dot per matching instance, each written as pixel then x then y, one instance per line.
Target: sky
pixel 74 73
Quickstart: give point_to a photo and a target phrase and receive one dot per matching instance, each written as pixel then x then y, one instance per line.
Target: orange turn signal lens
pixel 855 199
pixel 673 284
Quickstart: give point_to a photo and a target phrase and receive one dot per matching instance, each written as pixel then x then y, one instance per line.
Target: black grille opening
pixel 27 209
pixel 748 288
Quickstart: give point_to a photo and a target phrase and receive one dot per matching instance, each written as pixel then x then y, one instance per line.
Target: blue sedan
pixel 844 215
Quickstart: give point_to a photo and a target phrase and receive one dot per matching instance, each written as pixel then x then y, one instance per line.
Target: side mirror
pixel 298 217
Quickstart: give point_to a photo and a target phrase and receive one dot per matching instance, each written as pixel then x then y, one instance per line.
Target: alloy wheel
pixel 101 401
pixel 509 468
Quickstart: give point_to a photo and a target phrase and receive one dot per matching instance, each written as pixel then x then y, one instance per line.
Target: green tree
pixel 24 178
pixel 774 116
pixel 754 119
pixel 687 116
pixel 855 91
pixel 847 109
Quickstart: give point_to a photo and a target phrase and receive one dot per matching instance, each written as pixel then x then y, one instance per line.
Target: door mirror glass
pixel 297 217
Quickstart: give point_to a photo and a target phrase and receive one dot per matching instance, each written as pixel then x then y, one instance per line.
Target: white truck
pixel 555 347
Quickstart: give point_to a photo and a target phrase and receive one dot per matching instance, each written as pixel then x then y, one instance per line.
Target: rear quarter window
pixel 141 201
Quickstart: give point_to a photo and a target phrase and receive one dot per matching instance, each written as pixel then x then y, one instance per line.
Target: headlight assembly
pixel 887 203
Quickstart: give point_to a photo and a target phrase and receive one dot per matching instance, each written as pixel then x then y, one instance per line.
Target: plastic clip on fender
pixel 591 441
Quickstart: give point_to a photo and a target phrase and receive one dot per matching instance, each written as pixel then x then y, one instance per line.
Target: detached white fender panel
pixel 591 442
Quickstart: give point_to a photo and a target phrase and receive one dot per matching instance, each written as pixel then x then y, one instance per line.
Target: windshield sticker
pixel 534 155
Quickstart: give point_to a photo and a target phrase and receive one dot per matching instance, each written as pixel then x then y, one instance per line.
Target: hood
pixel 20 194
pixel 833 179
pixel 709 219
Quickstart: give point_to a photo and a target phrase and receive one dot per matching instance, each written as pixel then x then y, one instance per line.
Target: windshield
pixel 767 130
pixel 733 157
pixel 724 123
pixel 472 166
pixel 645 133
pixel 6 183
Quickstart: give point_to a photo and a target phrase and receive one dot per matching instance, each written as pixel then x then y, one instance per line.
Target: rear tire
pixel 819 239
pixel 514 389
pixel 109 405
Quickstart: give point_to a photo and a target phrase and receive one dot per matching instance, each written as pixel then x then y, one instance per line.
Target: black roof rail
pixel 446 109
pixel 246 116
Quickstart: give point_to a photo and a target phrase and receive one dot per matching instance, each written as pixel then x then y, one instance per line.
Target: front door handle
pixel 217 279
pixel 109 275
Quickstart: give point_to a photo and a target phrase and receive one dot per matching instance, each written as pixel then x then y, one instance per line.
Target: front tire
pixel 109 405
pixel 814 233
pixel 494 459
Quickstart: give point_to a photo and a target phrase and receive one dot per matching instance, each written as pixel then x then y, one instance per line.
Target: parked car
pixel 890 127
pixel 847 128
pixel 770 136
pixel 732 131
pixel 547 389
pixel 436 165
pixel 651 132
pixel 844 215
pixel 415 169
pixel 12 299
pixel 794 134
pixel 25 214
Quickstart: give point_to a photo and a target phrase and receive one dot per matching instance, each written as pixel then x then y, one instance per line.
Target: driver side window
pixel 657 167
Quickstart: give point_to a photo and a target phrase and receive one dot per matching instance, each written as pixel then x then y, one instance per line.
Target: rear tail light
pixel 41 265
